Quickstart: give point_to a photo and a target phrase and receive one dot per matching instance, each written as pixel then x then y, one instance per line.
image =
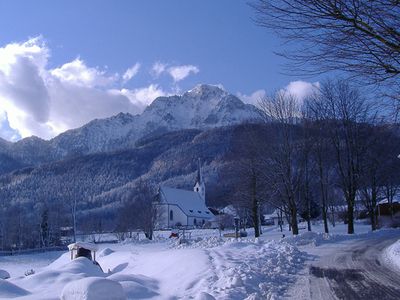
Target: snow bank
pixel 4 274
pixel 105 252
pixel 199 242
pixel 204 296
pixel 392 254
pixel 136 286
pixel 9 290
pixel 58 277
pixel 311 238
pixel 319 238
pixel 93 288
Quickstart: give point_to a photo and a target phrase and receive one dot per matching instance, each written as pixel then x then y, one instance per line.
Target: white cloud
pixel 254 98
pixel 131 72
pixel 43 101
pixel 77 73
pixel 179 73
pixel 301 89
pixel 157 69
pixel 141 97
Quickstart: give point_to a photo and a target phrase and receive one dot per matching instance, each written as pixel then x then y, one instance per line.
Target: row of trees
pixel 336 140
pixel 330 147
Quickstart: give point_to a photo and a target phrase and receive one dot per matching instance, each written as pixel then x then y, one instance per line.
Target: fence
pixel 31 251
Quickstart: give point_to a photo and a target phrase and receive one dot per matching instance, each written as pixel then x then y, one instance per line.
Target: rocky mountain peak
pixel 203 107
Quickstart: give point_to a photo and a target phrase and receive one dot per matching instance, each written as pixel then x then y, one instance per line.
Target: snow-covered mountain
pixel 203 107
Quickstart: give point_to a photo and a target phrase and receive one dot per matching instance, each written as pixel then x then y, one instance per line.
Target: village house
pixel 178 207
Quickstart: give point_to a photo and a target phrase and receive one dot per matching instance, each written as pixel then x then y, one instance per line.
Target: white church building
pixel 178 207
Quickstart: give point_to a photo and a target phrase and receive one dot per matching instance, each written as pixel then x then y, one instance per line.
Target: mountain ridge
pixel 203 107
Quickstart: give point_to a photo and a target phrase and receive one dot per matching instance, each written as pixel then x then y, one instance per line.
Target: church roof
pixel 189 202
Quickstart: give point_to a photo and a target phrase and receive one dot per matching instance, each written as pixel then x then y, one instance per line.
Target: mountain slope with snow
pixel 203 107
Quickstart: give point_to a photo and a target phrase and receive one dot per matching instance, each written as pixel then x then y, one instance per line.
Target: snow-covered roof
pixel 191 203
pixel 229 210
pixel 395 200
pixel 89 246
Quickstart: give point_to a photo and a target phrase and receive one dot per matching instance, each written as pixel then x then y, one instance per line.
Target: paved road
pixel 355 271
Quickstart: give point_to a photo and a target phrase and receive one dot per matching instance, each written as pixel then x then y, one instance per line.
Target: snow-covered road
pixel 355 270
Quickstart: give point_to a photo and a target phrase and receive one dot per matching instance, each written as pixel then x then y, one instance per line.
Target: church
pixel 178 207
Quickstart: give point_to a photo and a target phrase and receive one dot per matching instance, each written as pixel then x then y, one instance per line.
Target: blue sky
pixel 84 49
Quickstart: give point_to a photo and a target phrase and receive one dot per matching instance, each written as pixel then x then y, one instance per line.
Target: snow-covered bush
pixel 93 288
pixel 4 274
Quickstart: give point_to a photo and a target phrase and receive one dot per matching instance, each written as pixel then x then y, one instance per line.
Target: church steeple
pixel 199 186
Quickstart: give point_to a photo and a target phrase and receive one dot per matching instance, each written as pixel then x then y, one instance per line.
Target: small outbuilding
pixel 81 249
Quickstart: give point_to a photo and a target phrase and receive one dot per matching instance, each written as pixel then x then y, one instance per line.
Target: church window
pixel 171 215
pixel 195 222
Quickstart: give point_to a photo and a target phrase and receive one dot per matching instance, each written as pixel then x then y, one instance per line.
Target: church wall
pixel 163 212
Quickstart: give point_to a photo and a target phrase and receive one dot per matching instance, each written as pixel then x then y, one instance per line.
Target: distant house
pixel 384 207
pixel 178 207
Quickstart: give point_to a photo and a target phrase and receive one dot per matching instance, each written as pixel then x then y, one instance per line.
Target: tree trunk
pixel 255 205
pixel 333 216
pixel 325 218
pixel 295 227
pixel 308 215
pixel 350 218
pixel 280 220
pixel 324 198
pixel 372 217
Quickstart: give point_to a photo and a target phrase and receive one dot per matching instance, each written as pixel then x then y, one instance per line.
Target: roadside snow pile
pixel 310 238
pixel 10 290
pixel 199 242
pixel 245 270
pixel 319 238
pixel 93 288
pixel 392 254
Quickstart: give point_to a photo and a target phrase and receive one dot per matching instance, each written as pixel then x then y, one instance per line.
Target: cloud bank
pixel 300 89
pixel 37 100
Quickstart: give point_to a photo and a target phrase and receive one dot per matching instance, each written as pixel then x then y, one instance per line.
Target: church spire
pixel 199 178
pixel 199 186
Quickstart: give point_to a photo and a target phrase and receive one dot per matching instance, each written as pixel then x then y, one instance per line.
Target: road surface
pixel 355 270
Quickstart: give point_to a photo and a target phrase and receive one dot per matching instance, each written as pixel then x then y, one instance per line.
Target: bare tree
pixel 284 171
pixel 137 211
pixel 346 111
pixel 321 154
pixel 249 165
pixel 359 37
pixel 146 211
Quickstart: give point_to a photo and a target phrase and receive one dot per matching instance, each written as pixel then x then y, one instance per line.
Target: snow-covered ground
pixel 207 266
pixel 392 254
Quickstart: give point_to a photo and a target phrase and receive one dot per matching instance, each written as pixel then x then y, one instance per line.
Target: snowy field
pixel 205 267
